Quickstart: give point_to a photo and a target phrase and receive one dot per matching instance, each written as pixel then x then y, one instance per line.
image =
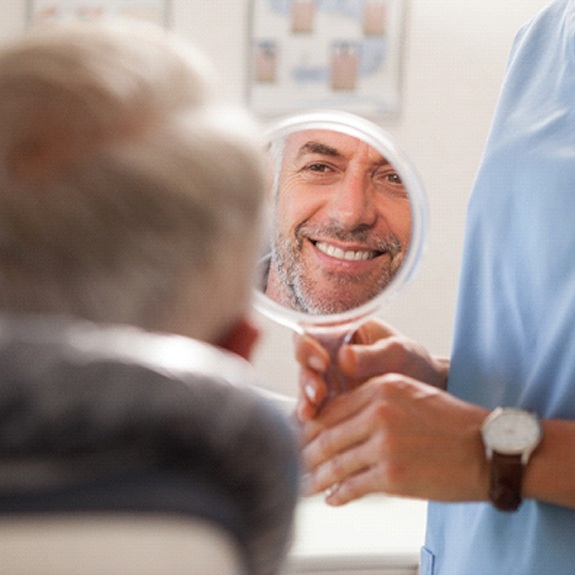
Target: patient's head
pixel 127 193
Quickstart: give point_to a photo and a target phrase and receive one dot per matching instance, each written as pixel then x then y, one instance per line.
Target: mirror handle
pixel 337 382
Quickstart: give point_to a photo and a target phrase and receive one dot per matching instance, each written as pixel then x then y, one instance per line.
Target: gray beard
pixel 301 290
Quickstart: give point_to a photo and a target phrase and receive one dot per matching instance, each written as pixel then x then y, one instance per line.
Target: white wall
pixel 455 56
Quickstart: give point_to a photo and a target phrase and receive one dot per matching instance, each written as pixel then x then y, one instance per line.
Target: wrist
pixel 549 475
pixel 510 436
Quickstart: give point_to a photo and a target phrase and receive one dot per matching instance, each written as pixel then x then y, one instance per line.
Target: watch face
pixel 511 431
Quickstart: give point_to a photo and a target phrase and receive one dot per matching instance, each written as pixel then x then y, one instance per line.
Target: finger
pixel 365 361
pixel 339 409
pixel 363 356
pixel 340 468
pixel 354 487
pixel 313 386
pixel 313 392
pixel 372 331
pixel 310 354
pixel 305 410
pixel 327 442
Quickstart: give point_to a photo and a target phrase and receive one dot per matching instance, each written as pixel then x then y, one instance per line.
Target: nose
pixel 351 202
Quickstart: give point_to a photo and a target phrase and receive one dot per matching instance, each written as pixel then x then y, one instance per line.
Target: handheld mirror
pixel 347 231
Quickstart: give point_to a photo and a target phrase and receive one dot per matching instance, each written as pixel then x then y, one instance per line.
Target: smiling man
pixel 342 223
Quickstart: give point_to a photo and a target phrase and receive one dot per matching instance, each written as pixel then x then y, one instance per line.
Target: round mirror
pixel 348 219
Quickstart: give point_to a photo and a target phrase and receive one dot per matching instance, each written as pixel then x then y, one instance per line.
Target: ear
pixel 241 338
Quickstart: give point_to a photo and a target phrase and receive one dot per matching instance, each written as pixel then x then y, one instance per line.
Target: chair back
pixel 102 544
pixel 128 452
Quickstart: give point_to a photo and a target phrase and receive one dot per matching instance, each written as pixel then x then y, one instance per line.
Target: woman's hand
pixel 375 349
pixel 396 435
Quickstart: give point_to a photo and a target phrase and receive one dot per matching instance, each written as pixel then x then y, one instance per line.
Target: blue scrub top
pixel 515 328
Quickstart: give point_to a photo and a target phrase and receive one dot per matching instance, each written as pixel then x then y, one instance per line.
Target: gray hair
pixel 126 194
pixel 276 151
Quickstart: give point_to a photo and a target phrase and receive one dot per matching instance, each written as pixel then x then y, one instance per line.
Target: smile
pixel 349 255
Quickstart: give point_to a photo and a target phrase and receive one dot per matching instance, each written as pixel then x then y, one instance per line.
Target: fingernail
pixel 311 393
pixel 316 363
pixel 330 495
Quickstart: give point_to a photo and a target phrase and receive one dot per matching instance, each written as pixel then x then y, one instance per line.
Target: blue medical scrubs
pixel 515 328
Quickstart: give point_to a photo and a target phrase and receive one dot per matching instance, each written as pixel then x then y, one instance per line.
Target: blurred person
pixel 121 197
pixel 130 206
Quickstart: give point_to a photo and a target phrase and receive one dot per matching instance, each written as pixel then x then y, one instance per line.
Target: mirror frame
pixel 375 136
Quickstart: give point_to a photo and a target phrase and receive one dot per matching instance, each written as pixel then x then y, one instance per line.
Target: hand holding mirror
pixel 348 226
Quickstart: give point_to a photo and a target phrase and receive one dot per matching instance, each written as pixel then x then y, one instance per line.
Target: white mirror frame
pixel 375 136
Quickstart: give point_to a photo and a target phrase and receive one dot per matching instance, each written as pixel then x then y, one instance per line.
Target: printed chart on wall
pixel 42 11
pixel 343 54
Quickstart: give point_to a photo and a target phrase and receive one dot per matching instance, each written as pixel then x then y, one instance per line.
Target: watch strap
pixel 506 481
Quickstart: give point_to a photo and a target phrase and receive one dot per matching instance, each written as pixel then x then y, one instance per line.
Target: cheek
pixel 296 204
pixel 398 217
pixel 404 231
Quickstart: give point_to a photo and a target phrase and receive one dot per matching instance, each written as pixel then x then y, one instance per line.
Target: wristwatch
pixel 510 436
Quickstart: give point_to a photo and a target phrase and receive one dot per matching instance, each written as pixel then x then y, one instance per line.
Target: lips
pixel 347 255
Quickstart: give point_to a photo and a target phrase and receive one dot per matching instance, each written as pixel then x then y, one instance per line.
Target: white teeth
pixel 338 253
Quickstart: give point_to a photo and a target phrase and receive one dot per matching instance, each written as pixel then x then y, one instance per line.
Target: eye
pixel 318 167
pixel 393 178
pixel 319 173
pixel 387 176
pixel 388 180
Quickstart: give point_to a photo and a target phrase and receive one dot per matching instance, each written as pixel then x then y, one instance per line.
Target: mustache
pixel 363 234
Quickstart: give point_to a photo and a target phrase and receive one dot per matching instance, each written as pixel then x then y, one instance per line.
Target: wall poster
pixel 41 11
pixel 309 54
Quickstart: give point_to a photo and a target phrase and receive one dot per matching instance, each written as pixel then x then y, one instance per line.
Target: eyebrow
pixel 318 148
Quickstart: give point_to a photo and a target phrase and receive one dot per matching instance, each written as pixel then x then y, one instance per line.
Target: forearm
pixel 550 473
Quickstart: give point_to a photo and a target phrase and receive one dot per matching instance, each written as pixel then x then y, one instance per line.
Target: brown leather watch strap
pixel 506 480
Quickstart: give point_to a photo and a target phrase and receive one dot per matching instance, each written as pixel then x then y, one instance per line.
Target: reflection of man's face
pixel 343 222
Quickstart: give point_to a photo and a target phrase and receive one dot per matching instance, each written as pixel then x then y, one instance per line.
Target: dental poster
pixel 42 11
pixel 343 54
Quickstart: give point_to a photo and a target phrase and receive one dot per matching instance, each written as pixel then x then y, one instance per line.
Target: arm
pixel 400 436
pixel 550 474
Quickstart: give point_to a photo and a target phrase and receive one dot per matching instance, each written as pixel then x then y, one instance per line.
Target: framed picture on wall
pixel 42 11
pixel 343 54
